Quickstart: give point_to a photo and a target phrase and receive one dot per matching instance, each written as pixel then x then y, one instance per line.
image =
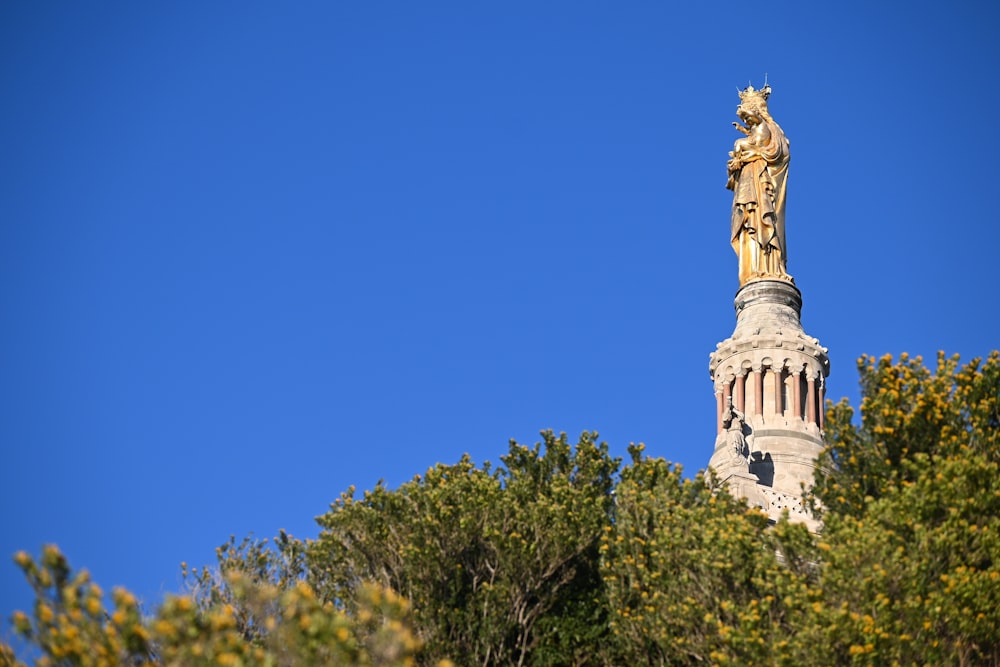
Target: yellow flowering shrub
pixel 71 626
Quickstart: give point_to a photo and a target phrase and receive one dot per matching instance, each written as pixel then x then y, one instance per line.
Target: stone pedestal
pixel 773 373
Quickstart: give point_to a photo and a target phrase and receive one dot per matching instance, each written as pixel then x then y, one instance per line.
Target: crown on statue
pixel 751 94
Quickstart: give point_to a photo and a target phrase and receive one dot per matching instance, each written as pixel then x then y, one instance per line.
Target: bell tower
pixel 769 375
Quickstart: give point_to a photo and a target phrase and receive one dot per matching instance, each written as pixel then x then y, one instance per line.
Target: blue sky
pixel 253 253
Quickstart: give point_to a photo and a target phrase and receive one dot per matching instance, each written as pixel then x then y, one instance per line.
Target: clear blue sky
pixel 252 253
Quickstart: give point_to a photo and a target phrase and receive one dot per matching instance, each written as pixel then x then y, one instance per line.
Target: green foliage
pixel 256 563
pixel 911 566
pixel 906 412
pixel 697 577
pixel 70 624
pixel 499 564
pixel 916 579
pixel 71 627
pixel 297 629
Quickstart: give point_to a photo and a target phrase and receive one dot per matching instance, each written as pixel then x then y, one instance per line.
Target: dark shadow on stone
pixel 763 467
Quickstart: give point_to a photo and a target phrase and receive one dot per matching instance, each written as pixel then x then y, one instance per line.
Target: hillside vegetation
pixel 563 555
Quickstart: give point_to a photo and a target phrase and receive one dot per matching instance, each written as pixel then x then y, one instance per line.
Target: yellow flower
pixel 44 613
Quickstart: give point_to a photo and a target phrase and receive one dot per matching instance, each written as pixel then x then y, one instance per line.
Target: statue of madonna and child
pixel 758 171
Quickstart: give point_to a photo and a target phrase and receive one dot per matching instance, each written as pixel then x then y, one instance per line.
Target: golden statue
pixel 758 169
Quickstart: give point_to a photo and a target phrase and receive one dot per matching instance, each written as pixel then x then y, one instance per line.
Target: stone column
pixel 741 384
pixel 779 383
pixel 811 398
pixel 758 391
pixel 822 402
pixel 797 393
pixel 719 405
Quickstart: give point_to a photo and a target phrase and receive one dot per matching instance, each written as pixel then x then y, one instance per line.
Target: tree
pixel 911 545
pixel 500 564
pixel 252 562
pixel 907 412
pixel 70 624
pixel 697 577
pixel 915 579
pixel 71 627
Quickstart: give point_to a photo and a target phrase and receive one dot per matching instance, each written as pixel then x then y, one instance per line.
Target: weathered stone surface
pixel 774 374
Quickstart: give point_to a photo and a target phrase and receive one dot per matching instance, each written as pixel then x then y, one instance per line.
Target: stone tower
pixel 769 376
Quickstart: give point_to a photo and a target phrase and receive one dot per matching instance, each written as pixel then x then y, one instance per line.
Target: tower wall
pixel 773 375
